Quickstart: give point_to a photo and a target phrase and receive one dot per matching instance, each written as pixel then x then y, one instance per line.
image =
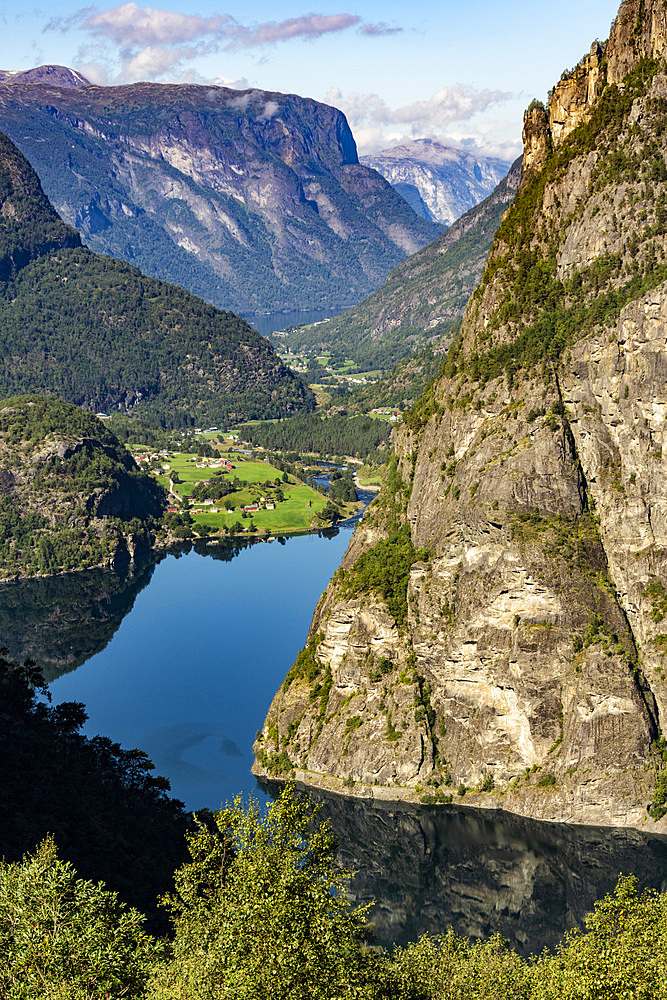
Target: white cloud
pixel 129 25
pixel 307 26
pixel 151 42
pixel 376 125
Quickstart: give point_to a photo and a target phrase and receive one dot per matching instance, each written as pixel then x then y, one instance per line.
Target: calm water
pixel 280 321
pixel 182 657
pixel 190 673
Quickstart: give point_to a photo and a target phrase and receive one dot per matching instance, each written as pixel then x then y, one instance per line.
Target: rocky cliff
pixel 441 182
pixel 255 201
pixel 496 633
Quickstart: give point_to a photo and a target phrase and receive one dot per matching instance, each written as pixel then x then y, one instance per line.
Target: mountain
pixel 423 297
pixel 71 496
pixel 54 76
pixel 496 632
pixel 256 201
pixel 440 182
pixel 99 333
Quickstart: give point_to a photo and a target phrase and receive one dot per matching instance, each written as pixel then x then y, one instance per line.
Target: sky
pixel 459 71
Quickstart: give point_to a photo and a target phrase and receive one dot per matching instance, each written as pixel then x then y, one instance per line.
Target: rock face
pixel 423 297
pixel 255 201
pixel 497 628
pixel 71 496
pixel 440 182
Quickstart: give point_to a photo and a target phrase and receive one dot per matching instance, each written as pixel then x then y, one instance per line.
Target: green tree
pixel 260 911
pixel 621 953
pixel 63 938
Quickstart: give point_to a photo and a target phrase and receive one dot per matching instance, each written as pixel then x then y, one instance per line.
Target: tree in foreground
pixel 64 938
pixel 260 911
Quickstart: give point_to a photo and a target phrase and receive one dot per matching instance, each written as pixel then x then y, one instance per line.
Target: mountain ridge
pixel 253 200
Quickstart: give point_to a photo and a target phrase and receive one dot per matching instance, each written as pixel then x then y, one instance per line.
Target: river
pixel 182 656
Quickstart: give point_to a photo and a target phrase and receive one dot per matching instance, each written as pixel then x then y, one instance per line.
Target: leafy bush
pixel 385 570
pixel 260 911
pixel 63 937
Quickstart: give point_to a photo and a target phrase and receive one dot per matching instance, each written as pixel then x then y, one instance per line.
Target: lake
pixel 182 656
pixel 272 322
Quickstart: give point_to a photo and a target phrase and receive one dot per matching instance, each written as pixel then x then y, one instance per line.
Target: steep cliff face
pixel 253 200
pixel 496 630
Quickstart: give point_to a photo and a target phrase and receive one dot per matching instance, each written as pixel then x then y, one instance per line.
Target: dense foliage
pixel 360 437
pixel 385 570
pixel 260 912
pixel 108 814
pixel 29 226
pixel 62 936
pixel 100 334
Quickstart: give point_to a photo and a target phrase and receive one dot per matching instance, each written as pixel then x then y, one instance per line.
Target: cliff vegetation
pixel 526 669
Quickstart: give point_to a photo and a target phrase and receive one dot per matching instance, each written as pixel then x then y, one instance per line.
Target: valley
pixel 335 647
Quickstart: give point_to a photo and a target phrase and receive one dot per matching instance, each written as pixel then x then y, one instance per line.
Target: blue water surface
pixel 189 675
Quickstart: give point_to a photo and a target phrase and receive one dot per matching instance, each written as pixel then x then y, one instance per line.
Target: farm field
pixel 261 483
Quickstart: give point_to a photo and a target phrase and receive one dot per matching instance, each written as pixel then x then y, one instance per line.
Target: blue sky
pixel 459 71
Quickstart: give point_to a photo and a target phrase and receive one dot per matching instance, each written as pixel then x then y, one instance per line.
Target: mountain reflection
pixel 60 622
pixel 431 868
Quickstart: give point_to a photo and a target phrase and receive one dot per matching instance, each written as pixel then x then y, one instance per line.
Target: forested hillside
pixel 100 334
pixel 71 496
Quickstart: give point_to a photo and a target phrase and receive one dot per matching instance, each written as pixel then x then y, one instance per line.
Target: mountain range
pixel 98 333
pixel 440 182
pixel 424 296
pixel 255 201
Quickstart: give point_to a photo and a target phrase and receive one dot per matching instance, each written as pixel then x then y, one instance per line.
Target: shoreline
pixel 531 804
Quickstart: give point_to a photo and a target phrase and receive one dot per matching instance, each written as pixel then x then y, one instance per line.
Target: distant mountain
pixel 255 201
pixel 440 182
pixel 422 298
pixel 55 76
pixel 98 333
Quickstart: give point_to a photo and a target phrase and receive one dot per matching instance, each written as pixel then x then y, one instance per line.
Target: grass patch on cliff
pixel 385 570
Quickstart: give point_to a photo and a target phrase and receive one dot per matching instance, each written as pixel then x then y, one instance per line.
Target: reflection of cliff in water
pixel 61 621
pixel 431 868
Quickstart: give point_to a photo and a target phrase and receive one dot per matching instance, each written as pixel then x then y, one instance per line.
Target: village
pixel 239 492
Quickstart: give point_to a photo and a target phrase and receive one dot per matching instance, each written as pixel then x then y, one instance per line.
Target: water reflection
pixel 431 868
pixel 62 621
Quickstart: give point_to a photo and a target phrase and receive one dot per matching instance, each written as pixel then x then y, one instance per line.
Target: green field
pixel 297 512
